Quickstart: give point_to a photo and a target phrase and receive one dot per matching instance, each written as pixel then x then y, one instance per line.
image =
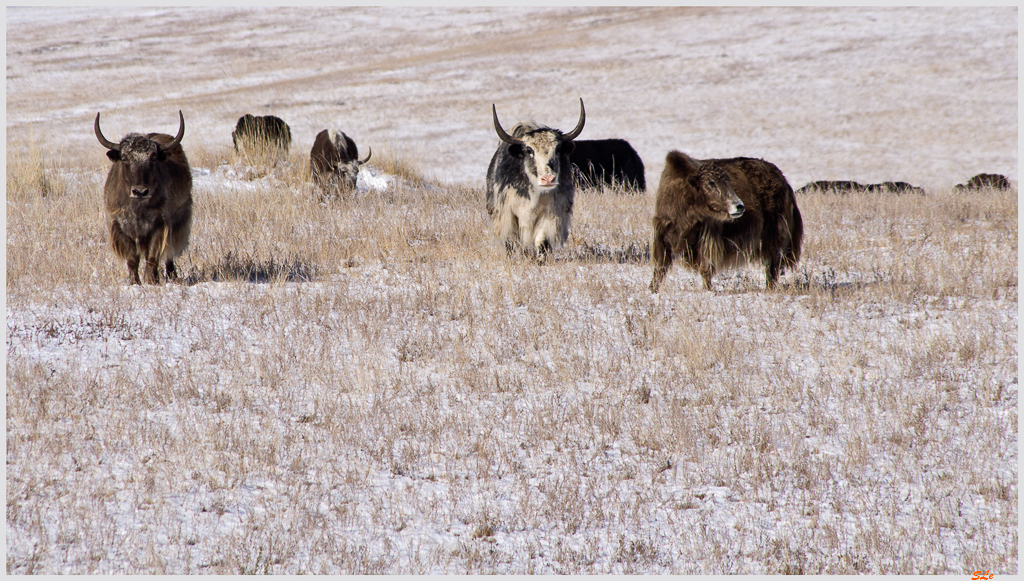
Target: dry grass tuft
pixel 234 268
pixel 261 149
pixel 32 173
pixel 396 159
pixel 585 185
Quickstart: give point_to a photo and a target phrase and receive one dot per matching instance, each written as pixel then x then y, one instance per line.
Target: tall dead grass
pixel 367 385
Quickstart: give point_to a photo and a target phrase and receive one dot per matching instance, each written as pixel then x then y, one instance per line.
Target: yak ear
pixel 568 146
pixel 694 181
pixel 682 163
pixel 515 149
pixel 114 155
pixel 161 154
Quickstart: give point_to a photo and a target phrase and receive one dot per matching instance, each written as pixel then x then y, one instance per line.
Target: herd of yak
pixel 710 214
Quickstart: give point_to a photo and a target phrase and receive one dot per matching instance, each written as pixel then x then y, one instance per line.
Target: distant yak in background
pixel 261 135
pixel 985 180
pixel 848 187
pixel 334 162
pixel 608 161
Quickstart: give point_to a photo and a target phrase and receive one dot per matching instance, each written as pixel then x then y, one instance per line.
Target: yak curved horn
pixel 103 140
pixel 181 132
pixel 369 152
pixel 579 126
pixel 501 132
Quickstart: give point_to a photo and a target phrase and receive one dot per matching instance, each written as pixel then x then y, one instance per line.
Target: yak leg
pixel 543 249
pixel 707 256
pixel 176 240
pixel 126 248
pixel 775 237
pixel 510 229
pixel 710 253
pixel 168 247
pixel 791 250
pixel 152 272
pixel 707 270
pixel 661 253
pixel 772 256
pixel 548 231
pixel 150 250
pixel 133 270
pixel 150 264
pixel 771 271
pixel 169 250
pixel 172 272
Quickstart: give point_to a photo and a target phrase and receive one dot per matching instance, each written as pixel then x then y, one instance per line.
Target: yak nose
pixel 140 192
pixel 737 210
pixel 549 180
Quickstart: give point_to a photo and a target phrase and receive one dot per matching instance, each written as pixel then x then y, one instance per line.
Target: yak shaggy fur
pixel 690 222
pixel 148 198
pixel 525 216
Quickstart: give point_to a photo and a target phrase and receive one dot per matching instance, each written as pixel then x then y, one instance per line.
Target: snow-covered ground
pixel 419 404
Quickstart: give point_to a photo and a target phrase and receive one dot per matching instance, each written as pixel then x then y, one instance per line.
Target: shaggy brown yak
pixel 718 213
pixel 148 196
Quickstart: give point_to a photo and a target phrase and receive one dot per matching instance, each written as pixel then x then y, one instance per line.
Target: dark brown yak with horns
pixel 148 197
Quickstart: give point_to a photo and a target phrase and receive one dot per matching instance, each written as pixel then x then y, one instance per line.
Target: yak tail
pixel 791 255
pixel 177 235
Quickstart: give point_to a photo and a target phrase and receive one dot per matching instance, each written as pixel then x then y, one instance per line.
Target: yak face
pixel 543 151
pixel 343 175
pixel 346 169
pixel 347 173
pixel 334 161
pixel 139 156
pixel 714 195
